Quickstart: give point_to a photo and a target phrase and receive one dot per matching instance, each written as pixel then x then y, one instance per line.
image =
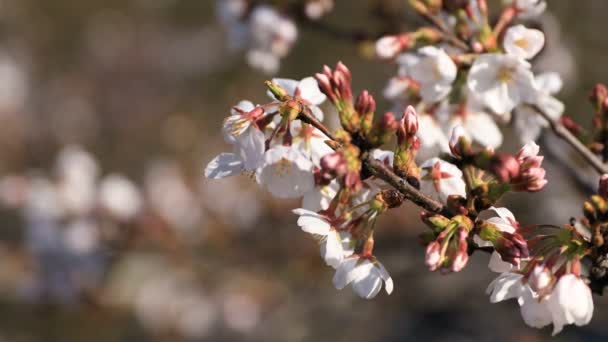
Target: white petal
pixel 309 91
pixel 549 82
pixel 344 273
pixel 312 222
pixel 331 250
pixel 224 165
pixel 251 145
pixel 483 129
pixel 534 312
pixel 505 286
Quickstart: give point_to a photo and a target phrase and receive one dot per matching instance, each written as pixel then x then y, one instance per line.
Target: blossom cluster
pixel 266 31
pixel 473 74
pixel 457 81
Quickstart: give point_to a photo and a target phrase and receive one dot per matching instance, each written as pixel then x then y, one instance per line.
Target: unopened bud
pixel 409 122
pixel 505 167
pixel 462 256
pixel 365 103
pixel 459 143
pixel 433 255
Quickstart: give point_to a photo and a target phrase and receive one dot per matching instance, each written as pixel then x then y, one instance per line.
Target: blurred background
pixel 109 111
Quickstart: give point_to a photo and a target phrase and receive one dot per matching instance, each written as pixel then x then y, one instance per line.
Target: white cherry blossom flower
pixel 441 179
pixel 435 72
pixel 310 141
pixel 306 89
pixel 523 42
pixel 478 125
pixel 570 302
pixel 500 81
pixel 506 286
pixel 528 123
pixel 365 274
pixel 320 197
pixel 332 243
pixel 287 172
pixel 272 36
pixel 433 138
pixel 534 309
pixel 247 158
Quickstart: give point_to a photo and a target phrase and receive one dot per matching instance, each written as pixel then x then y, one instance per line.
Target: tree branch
pixel 563 133
pixel 380 170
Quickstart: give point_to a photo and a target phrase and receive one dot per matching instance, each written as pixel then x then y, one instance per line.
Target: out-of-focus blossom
pixel 523 42
pixel 120 197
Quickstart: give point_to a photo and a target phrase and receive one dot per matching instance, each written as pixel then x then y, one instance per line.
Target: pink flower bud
pixel 458 135
pixel 603 188
pixel 460 261
pixel 343 69
pixel 462 256
pixel 512 247
pixel 389 123
pixel 325 85
pixel 365 103
pixel 505 167
pixel 410 121
pixel 433 255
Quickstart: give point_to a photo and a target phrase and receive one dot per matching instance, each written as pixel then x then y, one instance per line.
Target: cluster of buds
pixel 344 165
pixel 336 85
pixel 447 248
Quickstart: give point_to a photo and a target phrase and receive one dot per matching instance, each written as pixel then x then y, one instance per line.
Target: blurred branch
pixel 563 133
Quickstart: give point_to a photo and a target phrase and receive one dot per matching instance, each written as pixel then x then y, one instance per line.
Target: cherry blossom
pixel 435 72
pixel 501 82
pixel 523 42
pixel 441 179
pixel 366 275
pixel 334 244
pixel 570 303
pixel 287 172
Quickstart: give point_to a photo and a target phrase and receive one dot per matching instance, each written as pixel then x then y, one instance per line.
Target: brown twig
pixel 563 133
pixel 380 170
pixel 307 116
